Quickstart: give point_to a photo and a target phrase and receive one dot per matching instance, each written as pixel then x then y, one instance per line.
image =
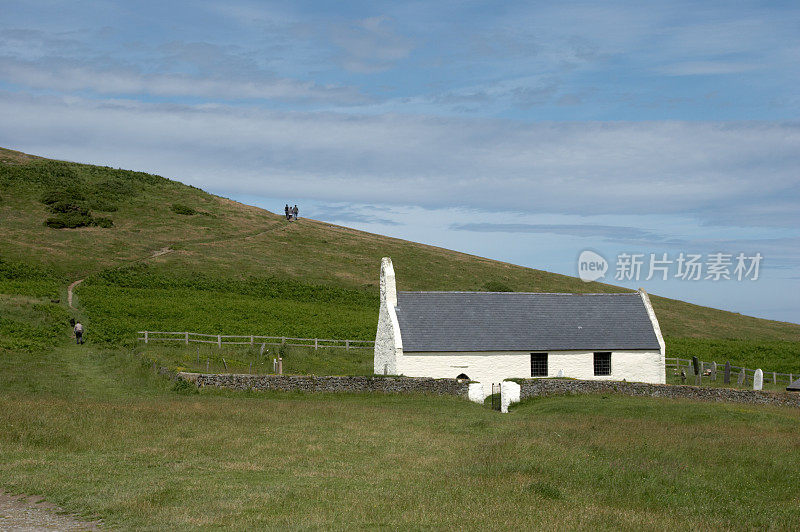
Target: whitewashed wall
pixel 388 343
pixel 487 367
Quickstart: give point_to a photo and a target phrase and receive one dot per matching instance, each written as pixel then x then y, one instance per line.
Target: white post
pixel 315 344
pixel 219 340
pixel 251 339
pixel 347 344
pixel 758 380
pixel 187 338
pixel 145 337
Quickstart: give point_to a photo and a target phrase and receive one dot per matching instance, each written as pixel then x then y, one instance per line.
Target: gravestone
pixel 758 380
pixel 696 366
pixel 740 380
pixel 726 377
pixel 714 371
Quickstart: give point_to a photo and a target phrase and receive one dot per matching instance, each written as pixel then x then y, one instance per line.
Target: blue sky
pixel 522 131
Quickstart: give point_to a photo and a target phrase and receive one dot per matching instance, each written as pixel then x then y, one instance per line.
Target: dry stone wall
pixel 547 387
pixel 308 383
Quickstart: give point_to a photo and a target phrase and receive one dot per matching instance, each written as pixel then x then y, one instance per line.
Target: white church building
pixel 492 336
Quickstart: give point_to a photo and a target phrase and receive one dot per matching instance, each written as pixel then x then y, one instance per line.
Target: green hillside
pixel 158 254
pixel 94 430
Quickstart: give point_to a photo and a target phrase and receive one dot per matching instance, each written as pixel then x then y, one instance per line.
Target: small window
pixel 602 363
pixel 462 377
pixel 538 364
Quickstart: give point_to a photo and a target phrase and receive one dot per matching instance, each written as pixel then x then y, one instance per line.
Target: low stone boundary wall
pixel 307 383
pixel 546 387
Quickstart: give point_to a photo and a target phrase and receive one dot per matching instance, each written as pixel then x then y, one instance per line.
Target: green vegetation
pixel 93 429
pixel 244 270
pixel 177 208
pixel 775 355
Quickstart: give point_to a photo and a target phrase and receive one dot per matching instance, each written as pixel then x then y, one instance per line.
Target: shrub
pixel 177 208
pixel 102 221
pixel 497 286
pixel 62 194
pixel 66 206
pixel 69 220
pixel 102 205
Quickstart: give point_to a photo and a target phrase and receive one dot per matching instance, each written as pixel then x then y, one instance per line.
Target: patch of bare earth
pixel 20 512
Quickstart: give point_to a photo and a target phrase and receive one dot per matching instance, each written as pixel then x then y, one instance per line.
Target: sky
pixel 527 132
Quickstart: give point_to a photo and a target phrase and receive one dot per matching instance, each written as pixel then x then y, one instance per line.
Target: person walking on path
pixel 286 210
pixel 78 333
pixel 294 212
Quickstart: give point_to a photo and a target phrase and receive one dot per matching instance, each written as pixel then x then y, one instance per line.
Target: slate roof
pixel 514 321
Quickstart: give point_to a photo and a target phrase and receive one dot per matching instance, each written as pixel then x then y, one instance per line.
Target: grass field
pixel 95 431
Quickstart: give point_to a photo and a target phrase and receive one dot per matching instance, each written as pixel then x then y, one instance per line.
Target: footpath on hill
pixel 18 512
pixel 169 249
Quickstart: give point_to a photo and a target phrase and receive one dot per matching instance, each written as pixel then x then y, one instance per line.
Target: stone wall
pixel 546 387
pixel 309 383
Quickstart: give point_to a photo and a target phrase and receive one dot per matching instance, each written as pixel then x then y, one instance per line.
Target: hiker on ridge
pixel 78 333
pixel 286 210
pixel 294 212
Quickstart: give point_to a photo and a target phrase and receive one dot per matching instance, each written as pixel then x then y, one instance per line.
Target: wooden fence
pixel 232 339
pixel 706 371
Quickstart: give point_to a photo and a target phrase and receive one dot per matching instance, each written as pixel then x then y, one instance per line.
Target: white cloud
pixel 371 44
pixel 68 77
pixel 708 170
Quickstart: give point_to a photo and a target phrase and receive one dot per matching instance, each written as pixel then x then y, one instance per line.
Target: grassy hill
pixel 94 430
pixel 169 256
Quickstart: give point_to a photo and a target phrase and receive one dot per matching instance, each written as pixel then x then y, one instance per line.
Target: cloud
pixel 706 68
pixel 370 45
pixel 362 214
pixel 69 76
pixel 607 232
pixel 711 171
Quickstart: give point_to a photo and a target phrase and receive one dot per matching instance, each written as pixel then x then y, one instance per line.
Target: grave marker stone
pixel 726 377
pixel 758 380
pixel 696 366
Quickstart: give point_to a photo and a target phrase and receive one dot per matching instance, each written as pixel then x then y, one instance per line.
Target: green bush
pixel 103 205
pixel 102 221
pixel 67 206
pixel 184 210
pixel 69 194
pixel 497 286
pixel 69 220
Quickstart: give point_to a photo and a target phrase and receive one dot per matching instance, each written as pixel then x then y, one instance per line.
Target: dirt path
pixel 18 512
pixel 70 289
pixel 154 254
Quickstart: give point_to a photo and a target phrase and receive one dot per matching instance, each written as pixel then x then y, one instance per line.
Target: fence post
pixel 251 339
pixel 145 337
pixel 315 343
pixel 774 378
pixel 347 344
pixel 187 338
pixel 219 340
